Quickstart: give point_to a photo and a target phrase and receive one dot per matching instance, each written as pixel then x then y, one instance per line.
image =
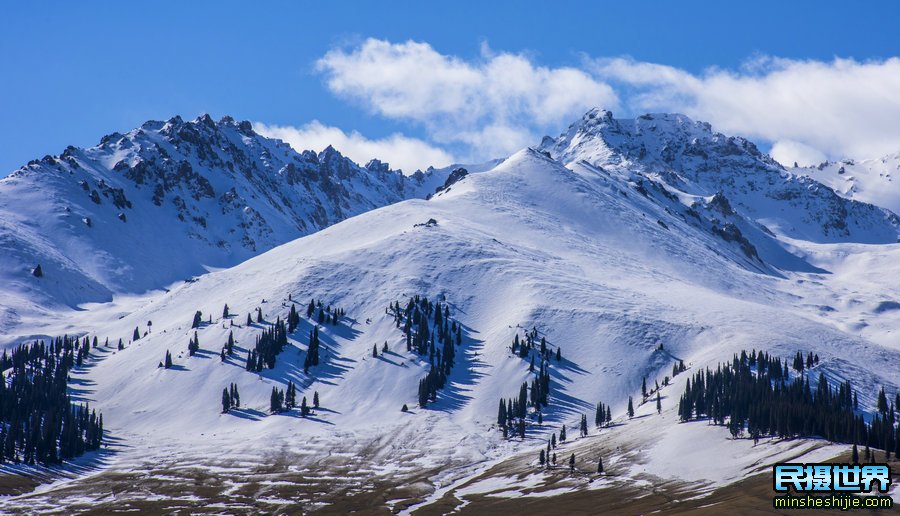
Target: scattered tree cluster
pixel 537 393
pixel 268 345
pixel 431 332
pixel 602 415
pixel 326 314
pixel 231 398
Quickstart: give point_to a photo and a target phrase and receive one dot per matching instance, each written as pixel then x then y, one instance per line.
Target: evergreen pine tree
pixel 572 462
pixel 404 408
pixel 658 403
pixel 562 434
pixel 374 351
pixel 630 408
pixel 249 320
pixel 541 458
pixel 316 399
pixel 168 362
pixel 226 401
pixel 136 335
pixel 225 312
pixel 600 465
pixel 304 409
pixel 558 354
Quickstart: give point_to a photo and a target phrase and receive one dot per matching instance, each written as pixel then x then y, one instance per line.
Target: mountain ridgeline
pixel 163 201
pixel 688 157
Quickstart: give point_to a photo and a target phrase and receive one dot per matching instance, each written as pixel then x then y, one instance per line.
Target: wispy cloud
pixel 400 151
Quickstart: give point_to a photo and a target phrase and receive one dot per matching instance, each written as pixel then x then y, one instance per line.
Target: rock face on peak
pixel 171 199
pixel 690 157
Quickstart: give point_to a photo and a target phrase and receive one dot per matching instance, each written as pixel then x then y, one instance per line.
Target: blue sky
pixel 72 72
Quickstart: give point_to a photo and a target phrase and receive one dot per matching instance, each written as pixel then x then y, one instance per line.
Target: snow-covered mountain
pixel 690 157
pixel 870 180
pixel 626 261
pixel 170 200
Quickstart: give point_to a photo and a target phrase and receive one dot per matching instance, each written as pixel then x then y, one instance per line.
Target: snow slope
pixel 870 180
pixel 606 265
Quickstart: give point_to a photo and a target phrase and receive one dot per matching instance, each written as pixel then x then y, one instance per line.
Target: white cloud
pixel 492 105
pixel 788 152
pixel 499 102
pixel 400 151
pixel 806 109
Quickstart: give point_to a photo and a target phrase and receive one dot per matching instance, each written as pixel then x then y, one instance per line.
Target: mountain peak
pixel 689 156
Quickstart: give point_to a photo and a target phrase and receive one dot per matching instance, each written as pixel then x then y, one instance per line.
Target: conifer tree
pixel 194 345
pixel 600 465
pixel 136 335
pixel 630 408
pixel 658 403
pixel 230 344
pixel 644 387
pixel 374 351
pixel 583 428
pixel 384 349
pixel 562 434
pixel 882 401
pixel 225 312
pixel 198 318
pixel 404 408
pixel 558 354
pixel 226 401
pixel 304 409
pixel 572 462
pixel 316 399
pixel 541 458
pixel 168 362
pixel 249 320
pixel 554 458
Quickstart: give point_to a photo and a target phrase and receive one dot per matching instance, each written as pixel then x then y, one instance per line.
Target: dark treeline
pixel 431 332
pixel 39 422
pixel 756 394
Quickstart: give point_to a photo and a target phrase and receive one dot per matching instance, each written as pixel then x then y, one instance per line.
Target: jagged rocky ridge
pixel 691 159
pixel 163 201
